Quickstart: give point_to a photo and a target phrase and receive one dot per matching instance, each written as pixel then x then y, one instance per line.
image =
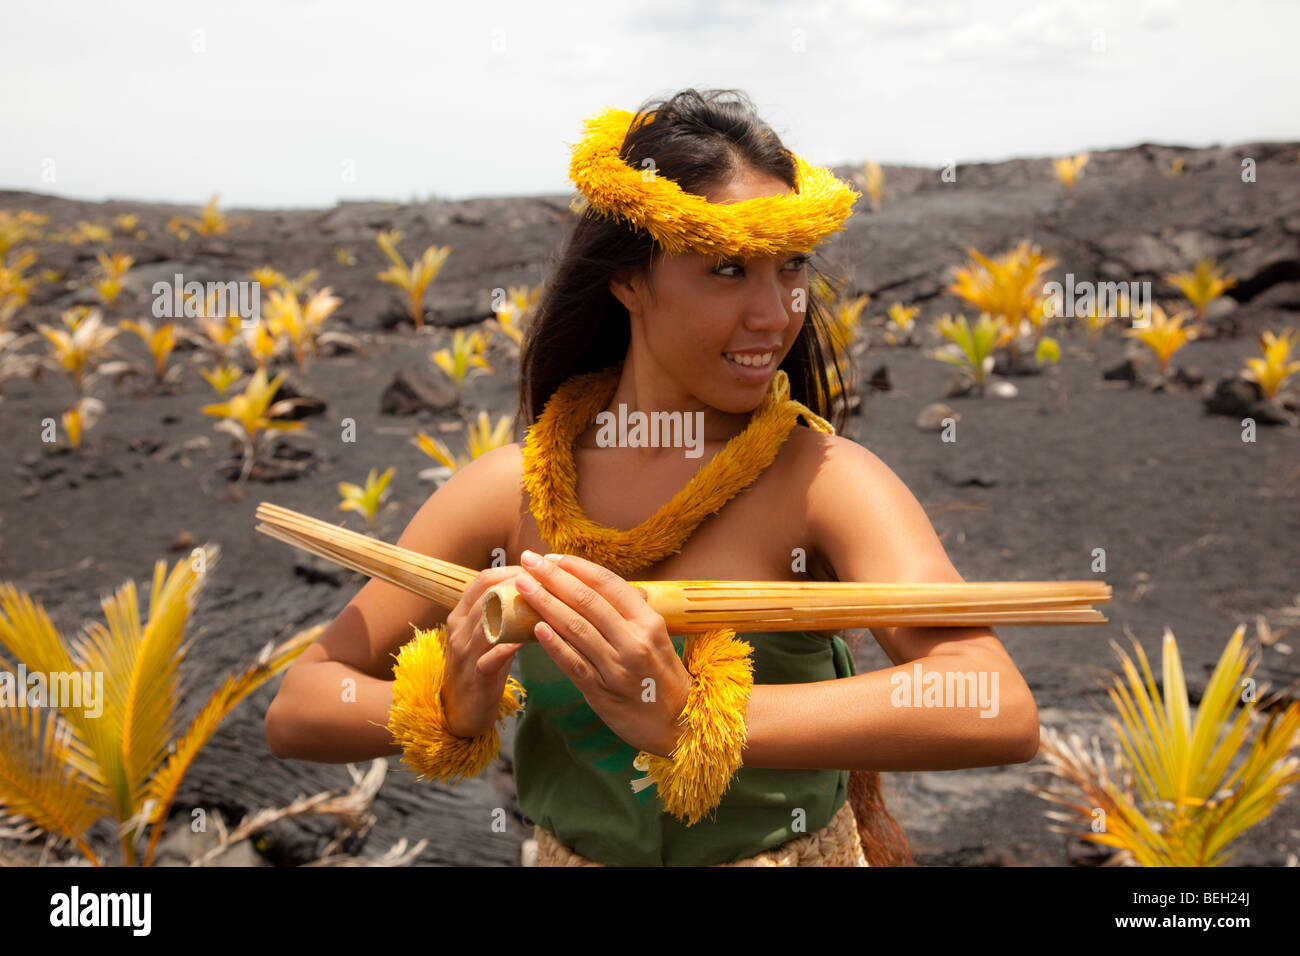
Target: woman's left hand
pixel 599 630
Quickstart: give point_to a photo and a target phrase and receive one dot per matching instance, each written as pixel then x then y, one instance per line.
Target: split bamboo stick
pixel 696 606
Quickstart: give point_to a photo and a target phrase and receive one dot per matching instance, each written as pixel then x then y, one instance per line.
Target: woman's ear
pixel 622 289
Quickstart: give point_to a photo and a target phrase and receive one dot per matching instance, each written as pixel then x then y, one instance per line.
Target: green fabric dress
pixel 573 775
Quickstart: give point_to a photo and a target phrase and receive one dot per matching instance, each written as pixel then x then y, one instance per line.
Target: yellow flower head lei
pixel 678 220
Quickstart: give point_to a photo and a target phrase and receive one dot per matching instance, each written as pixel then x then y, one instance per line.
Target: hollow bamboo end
pixel 508 618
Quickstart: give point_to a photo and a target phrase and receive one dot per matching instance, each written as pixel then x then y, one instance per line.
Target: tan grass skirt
pixel 836 844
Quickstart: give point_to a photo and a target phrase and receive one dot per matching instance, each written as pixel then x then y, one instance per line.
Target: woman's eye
pixel 794 265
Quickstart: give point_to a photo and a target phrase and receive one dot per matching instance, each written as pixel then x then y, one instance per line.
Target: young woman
pixel 623 322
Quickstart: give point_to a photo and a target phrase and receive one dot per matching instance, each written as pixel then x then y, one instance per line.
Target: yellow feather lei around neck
pixel 551 475
pixel 692 780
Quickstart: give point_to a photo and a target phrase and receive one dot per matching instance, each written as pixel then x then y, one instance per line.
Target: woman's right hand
pixel 476 672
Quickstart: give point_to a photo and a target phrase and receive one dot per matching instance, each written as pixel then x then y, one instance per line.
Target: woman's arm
pixel 334 701
pixel 870 527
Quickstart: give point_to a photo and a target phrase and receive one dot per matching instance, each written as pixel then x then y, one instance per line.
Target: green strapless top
pixel 573 775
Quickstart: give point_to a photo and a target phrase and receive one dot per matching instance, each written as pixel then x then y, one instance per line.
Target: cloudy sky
pixel 304 102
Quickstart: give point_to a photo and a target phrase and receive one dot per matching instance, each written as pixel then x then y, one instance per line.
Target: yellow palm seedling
pixel 902 323
pixel 846 319
pixel 1203 285
pixel 126 223
pixel 367 499
pixel 971 349
pixel 211 222
pixel 412 280
pixel 465 356
pixel 343 257
pixel 79 348
pixel 112 269
pixel 14 286
pixel 221 330
pixel 1171 798
pixel 482 438
pixel 1273 369
pixel 1162 334
pixel 248 415
pixel 80 418
pixel 221 377
pixel 160 340
pixel 89 232
pixel 1005 287
pixel 1096 318
pixel 300 325
pixel 269 278
pixel 18 228
pixel 1176 167
pixel 102 741
pixel 261 344
pixel 510 316
pixel 873 181
pixel 1069 168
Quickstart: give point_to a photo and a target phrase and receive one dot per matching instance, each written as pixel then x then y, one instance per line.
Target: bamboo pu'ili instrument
pixel 696 606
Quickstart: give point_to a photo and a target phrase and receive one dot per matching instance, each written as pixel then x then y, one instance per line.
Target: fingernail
pixel 554 558
pixel 525 583
pixel 529 559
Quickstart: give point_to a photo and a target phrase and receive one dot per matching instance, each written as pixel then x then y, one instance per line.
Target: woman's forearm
pixel 329 712
pixel 921 715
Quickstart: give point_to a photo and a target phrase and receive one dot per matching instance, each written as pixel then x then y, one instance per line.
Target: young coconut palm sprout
pixel 86 232
pixel 873 181
pixel 160 341
pixel 1163 334
pixel 903 323
pixel 300 325
pixel 211 222
pixel 465 356
pixel 222 377
pixel 14 286
pixel 80 418
pixel 112 269
pixel 249 415
pixel 110 748
pixel 367 499
pixel 413 279
pixel 1068 169
pixel 18 228
pixel 1006 287
pixel 126 224
pixel 971 350
pixel 80 349
pixel 483 437
pixel 1202 286
pixel 510 316
pixel 1170 799
pixel 1270 372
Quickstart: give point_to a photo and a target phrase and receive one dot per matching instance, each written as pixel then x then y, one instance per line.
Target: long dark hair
pixel 698 139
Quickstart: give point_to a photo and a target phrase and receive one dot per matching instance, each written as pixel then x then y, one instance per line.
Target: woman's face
pixel 705 317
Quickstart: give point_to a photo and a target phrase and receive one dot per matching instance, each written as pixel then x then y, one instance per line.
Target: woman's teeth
pixel 752 361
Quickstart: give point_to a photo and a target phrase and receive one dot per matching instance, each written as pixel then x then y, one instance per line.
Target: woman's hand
pixel 476 672
pixel 615 648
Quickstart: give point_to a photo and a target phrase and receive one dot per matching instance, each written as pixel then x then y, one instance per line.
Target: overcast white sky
pixel 305 102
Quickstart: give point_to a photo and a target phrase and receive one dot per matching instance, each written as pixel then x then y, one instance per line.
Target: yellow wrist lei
pixel 693 779
pixel 708 753
pixel 418 723
pixel 762 226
